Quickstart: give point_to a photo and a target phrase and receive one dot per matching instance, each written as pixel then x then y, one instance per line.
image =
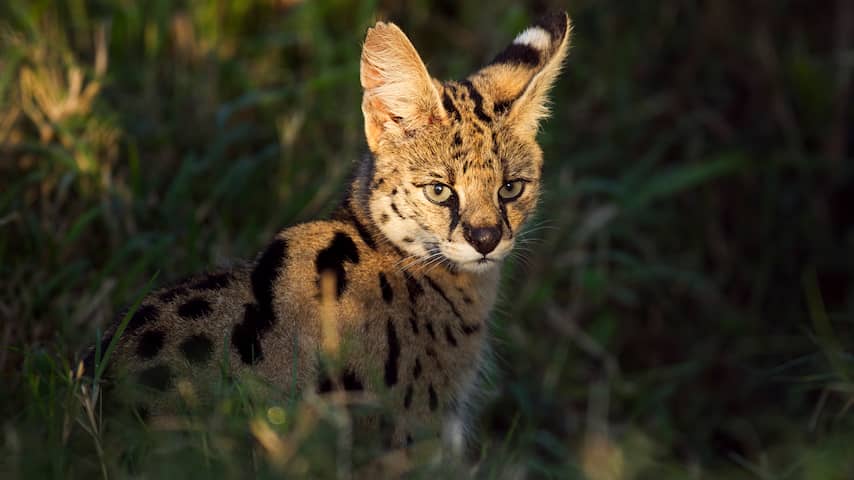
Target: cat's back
pixel 249 317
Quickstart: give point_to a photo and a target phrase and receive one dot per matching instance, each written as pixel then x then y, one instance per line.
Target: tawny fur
pixel 408 293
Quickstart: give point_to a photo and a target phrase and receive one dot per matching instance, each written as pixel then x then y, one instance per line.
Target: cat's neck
pixel 355 209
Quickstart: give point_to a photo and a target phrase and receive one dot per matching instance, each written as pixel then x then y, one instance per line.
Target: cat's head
pixel 456 165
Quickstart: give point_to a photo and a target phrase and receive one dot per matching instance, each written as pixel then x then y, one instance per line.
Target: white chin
pixel 477 266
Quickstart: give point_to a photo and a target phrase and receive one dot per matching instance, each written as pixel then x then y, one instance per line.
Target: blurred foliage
pixel 682 308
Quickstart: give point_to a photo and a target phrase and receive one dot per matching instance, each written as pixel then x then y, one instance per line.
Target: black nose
pixel 483 239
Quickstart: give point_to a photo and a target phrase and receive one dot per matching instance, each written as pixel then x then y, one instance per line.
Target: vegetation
pixel 683 307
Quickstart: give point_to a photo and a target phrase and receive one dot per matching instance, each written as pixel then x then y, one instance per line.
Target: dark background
pixel 683 306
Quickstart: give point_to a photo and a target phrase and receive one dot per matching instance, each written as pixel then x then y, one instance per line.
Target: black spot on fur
pixel 432 354
pixel 246 335
pixel 408 240
pixel 197 349
pixel 396 211
pixel 442 294
pixel 502 207
pixel 449 336
pixel 423 226
pixel 393 354
pixel 347 216
pixel 332 258
pixel 266 272
pixel 453 205
pixel 450 107
pixel 150 343
pixel 172 294
pixel 143 315
pixel 466 328
pixel 259 317
pixel 416 370
pixel 413 324
pixel 213 281
pixel 466 299
pixel 351 381
pixel 195 308
pixel 434 399
pixel 364 234
pixel 158 377
pixel 500 108
pixel 385 288
pixel 477 98
pixel 413 286
pixel 430 330
pixel 384 218
pixel 407 398
pixel 519 54
pixel 458 139
pixel 324 383
pixel 470 329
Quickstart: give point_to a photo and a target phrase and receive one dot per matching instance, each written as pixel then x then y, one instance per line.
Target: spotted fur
pixel 406 272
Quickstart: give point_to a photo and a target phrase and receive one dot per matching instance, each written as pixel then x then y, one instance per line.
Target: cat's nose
pixel 483 239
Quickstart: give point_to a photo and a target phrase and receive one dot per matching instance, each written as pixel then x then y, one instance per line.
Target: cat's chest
pixel 440 310
pixel 427 334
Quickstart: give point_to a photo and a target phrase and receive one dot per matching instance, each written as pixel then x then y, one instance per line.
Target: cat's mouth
pixel 451 257
pixel 465 257
pixel 481 264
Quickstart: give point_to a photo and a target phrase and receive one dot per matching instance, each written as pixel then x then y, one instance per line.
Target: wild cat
pixel 407 266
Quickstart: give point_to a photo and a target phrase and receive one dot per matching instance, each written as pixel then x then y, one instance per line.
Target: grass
pixel 683 307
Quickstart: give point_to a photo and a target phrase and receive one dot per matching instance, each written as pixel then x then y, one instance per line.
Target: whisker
pixel 414 260
pixel 528 232
pixel 439 261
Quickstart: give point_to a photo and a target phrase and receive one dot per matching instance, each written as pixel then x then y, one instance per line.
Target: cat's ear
pixel 399 95
pixel 519 78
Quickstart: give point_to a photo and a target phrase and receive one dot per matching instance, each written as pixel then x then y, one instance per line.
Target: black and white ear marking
pixel 536 44
pixel 522 53
pixel 518 80
pixel 534 37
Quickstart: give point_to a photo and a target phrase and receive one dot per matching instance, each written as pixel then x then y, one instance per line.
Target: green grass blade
pixel 102 363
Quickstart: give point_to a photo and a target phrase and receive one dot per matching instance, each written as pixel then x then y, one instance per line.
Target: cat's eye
pixel 511 190
pixel 437 192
